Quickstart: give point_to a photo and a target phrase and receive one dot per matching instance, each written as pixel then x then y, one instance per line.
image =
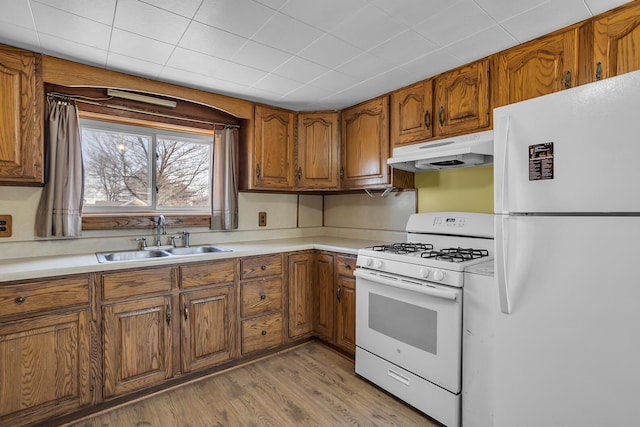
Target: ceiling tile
pixel 288 34
pixel 259 56
pixel 306 92
pixel 334 81
pixel 403 48
pixel 210 40
pixel 599 6
pixel 186 8
pixel 137 46
pixel 127 64
pixel 364 66
pixel 322 14
pixel 545 18
pixel 431 64
pixel 67 49
pixel 196 62
pixel 484 43
pixel 158 24
pixel 300 70
pixel 368 28
pixel 500 10
pixel 239 73
pixel 273 4
pixel 200 81
pixel 412 12
pixel 16 13
pixel 97 10
pixel 277 85
pixel 241 17
pixel 330 51
pixel 17 36
pixel 64 25
pixel 467 16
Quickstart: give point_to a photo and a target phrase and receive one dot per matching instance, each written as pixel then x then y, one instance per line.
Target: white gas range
pixel 409 309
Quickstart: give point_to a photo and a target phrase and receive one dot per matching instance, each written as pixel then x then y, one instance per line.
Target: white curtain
pixel 224 189
pixel 60 211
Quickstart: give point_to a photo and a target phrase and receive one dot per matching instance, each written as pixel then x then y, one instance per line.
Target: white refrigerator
pixel 567 258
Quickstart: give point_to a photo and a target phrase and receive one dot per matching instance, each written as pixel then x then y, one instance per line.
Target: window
pixel 139 169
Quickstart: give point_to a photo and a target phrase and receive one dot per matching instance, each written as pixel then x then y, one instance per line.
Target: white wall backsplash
pixel 360 211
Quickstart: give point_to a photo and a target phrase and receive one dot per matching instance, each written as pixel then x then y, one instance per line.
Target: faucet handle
pixel 173 239
pixel 142 242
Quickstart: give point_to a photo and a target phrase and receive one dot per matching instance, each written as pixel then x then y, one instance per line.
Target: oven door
pixel 414 324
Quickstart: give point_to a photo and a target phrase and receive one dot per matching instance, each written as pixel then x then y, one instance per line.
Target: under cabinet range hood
pixel 475 149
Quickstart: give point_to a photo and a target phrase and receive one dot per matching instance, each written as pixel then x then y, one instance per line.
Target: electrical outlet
pixel 262 219
pixel 5 225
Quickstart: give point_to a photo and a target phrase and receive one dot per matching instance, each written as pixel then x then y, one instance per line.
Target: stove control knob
pixel 378 264
pixel 424 273
pixel 438 275
pixel 367 261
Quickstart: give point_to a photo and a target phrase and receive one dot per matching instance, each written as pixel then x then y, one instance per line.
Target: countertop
pixel 37 267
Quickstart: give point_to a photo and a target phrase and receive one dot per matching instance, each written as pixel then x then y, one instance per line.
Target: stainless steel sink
pixel 130 255
pixel 193 250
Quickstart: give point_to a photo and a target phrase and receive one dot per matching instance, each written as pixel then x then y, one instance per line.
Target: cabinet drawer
pixel 261 266
pixel 207 273
pixel 34 297
pixel 260 297
pixel 346 264
pixel 130 283
pixel 261 332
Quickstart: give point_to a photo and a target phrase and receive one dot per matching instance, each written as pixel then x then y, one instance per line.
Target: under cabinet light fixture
pixel 141 98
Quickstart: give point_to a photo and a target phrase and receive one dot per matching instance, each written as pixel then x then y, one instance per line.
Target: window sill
pixel 143 221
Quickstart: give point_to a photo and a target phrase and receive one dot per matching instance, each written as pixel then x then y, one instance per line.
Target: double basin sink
pixel 142 254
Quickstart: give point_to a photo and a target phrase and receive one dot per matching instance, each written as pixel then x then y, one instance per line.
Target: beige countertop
pixel 37 267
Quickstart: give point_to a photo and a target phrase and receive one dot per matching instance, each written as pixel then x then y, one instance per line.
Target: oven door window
pixel 398 319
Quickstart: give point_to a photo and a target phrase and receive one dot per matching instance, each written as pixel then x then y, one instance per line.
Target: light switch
pixel 5 225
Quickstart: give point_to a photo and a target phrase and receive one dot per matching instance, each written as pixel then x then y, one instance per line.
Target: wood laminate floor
pixel 309 385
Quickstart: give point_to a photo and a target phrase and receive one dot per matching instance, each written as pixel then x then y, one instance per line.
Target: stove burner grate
pixel 455 254
pixel 403 248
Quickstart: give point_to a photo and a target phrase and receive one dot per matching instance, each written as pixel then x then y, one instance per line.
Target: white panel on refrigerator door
pixel 568 352
pixel 595 155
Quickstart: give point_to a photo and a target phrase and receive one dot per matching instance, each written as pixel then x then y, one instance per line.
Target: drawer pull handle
pixel 263 297
pixel 263 268
pixel 20 300
pixel 347 266
pixel 264 332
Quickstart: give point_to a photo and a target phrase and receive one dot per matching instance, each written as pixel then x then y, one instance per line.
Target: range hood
pixel 475 149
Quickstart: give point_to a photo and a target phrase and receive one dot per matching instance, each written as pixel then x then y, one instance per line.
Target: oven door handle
pixel 448 294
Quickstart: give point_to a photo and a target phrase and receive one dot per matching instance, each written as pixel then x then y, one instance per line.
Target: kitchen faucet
pixel 161 222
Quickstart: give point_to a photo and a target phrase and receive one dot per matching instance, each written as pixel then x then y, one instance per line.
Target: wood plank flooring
pixel 309 385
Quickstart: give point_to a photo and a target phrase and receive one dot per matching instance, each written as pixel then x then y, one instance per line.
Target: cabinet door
pixel 324 297
pixel 365 144
pixel 208 327
pixel 273 150
pixel 21 118
pixel 137 344
pixel 462 99
pixel 300 294
pixel 318 145
pixel 44 367
pixel 411 114
pixel 346 313
pixel 616 38
pixel 540 67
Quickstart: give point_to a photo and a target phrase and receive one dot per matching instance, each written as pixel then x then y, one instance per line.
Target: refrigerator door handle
pixel 503 173
pixel 501 263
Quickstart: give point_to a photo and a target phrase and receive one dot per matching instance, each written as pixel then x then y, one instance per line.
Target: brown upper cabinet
pixel 318 145
pixel 21 118
pixel 269 162
pixel 616 36
pixel 412 113
pixel 542 66
pixel 462 99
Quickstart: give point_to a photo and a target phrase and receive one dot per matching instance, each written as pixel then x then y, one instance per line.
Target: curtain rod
pixel 94 101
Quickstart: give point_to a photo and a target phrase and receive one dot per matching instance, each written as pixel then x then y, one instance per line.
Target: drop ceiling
pixel 297 54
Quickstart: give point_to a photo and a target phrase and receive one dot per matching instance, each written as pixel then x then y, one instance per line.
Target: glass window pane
pixel 182 173
pixel 116 169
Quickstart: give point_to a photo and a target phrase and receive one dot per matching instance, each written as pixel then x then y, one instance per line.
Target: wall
pixel 457 190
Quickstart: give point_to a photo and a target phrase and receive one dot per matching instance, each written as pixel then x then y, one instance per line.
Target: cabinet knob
pixel 599 71
pixel 441 115
pixel 263 296
pixel 567 80
pixel 20 300
pixel 264 332
pixel 257 171
pixel 347 266
pixel 263 267
pixel 427 119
